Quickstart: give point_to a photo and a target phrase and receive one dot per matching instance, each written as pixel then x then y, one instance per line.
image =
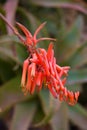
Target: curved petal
pixel 38 29
pixel 25 30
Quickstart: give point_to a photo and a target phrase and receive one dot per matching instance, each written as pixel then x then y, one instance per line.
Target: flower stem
pixel 12 28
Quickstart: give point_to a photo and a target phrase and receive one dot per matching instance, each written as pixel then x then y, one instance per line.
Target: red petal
pixel 45 38
pixel 25 30
pixel 49 51
pixel 64 81
pixel 33 85
pixel 52 91
pixel 39 57
pixel 51 68
pixel 39 78
pixel 43 62
pixel 58 68
pixel 44 56
pixel 37 31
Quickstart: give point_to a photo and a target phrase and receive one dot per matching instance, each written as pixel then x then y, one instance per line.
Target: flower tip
pixel 18 24
pixel 44 23
pixel 25 30
pixel 38 29
pixel 54 39
pixel 77 95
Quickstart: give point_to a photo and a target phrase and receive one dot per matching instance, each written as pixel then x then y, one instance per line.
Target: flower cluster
pixel 40 69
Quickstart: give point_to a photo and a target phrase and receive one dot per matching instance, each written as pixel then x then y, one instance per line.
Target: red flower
pixel 41 69
pixel 32 40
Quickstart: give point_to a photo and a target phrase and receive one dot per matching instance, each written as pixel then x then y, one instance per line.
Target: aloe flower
pixel 40 69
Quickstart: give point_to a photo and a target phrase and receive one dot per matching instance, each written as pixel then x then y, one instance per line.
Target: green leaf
pixel 6 71
pixel 78 115
pixel 45 120
pixel 49 106
pixel 48 3
pixel 59 4
pixel 10 93
pixel 7 55
pixel 2 24
pixel 77 76
pixel 21 52
pixel 39 115
pixel 31 21
pixel 23 115
pixel 48 102
pixel 8 39
pixel 60 119
pixel 69 44
pixel 45 100
pixel 74 87
pixel 79 58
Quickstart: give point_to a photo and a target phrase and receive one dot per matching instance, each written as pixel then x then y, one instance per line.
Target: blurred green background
pixel 67 22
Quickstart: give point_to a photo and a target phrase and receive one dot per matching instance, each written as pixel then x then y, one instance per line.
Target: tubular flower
pixel 40 69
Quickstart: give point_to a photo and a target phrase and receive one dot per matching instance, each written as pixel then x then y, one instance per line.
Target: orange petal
pixel 65 93
pixel 64 81
pixel 44 56
pixel 29 79
pixel 39 57
pixel 59 80
pixel 61 96
pixel 65 69
pixel 51 68
pixel 49 51
pixel 54 83
pixel 71 97
pixel 61 73
pixel 39 78
pixel 71 100
pixel 24 73
pixel 33 85
pixel 46 69
pixel 33 69
pixel 42 62
pixel 76 95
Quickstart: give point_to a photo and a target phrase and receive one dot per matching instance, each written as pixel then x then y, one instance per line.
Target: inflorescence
pixel 40 69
